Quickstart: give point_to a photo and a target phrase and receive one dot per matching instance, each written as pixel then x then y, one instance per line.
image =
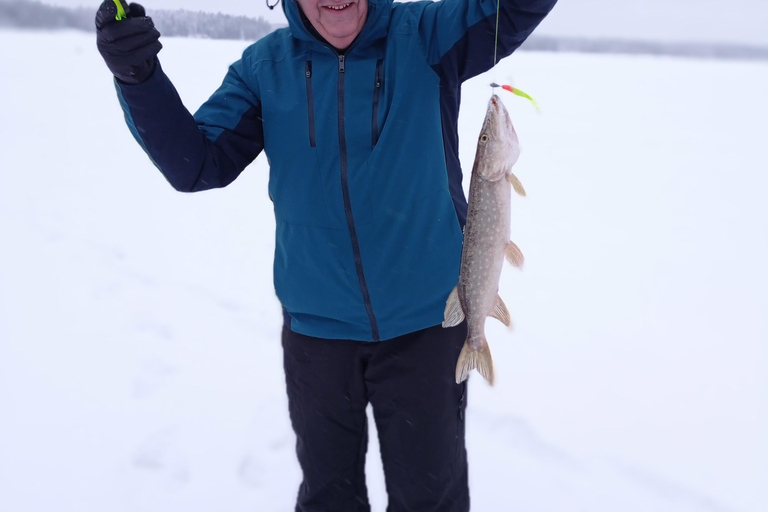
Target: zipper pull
pixel 341 63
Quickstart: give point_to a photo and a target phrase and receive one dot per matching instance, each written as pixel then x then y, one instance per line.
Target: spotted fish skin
pixel 486 240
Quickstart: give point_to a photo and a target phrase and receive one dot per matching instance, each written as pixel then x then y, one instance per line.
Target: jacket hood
pixel 375 25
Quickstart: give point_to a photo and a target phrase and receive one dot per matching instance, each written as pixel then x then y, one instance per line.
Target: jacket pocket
pixel 310 103
pixel 377 85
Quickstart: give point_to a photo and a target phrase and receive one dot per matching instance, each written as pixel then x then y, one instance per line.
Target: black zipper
pixel 376 91
pixel 310 103
pixel 348 206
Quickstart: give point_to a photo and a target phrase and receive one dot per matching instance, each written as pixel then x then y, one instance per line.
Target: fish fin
pixel 516 184
pixel 453 314
pixel 513 254
pixel 500 312
pixel 470 359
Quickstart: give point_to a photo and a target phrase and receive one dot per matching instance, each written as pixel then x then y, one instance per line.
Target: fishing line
pixel 496 42
pixel 494 85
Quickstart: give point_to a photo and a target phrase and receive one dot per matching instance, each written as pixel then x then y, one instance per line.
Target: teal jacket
pixel 362 149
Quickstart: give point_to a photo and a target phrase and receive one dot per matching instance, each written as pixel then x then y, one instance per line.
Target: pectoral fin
pixel 501 313
pixel 453 314
pixel 513 254
pixel 516 184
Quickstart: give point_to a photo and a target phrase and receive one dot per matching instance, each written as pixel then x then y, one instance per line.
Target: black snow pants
pixel 419 413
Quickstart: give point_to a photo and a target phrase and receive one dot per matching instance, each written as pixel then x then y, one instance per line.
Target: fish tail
pixel 470 359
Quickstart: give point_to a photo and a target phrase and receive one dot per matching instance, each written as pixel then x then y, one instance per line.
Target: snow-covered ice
pixel 140 363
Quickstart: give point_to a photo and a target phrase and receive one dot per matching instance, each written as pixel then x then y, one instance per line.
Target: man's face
pixel 338 21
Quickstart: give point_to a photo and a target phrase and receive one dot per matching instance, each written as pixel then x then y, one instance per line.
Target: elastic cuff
pixel 144 74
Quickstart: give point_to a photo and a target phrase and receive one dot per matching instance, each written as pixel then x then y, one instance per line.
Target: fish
pixel 486 241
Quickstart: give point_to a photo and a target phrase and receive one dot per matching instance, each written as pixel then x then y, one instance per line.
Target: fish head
pixel 498 147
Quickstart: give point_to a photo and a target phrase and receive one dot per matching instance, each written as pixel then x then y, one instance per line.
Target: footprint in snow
pixel 158 456
pixel 153 375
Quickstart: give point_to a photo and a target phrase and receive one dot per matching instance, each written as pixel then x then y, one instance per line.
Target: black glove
pixel 129 46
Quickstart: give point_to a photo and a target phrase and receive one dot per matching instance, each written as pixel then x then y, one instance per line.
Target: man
pixel 356 106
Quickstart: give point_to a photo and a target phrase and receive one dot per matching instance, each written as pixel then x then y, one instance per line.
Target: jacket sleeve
pixel 460 35
pixel 207 150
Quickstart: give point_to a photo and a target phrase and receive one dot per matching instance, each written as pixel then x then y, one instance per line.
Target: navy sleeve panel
pixel 450 99
pixel 208 150
pixel 460 35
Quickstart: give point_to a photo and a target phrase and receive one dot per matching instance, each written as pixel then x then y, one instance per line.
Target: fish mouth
pixel 495 105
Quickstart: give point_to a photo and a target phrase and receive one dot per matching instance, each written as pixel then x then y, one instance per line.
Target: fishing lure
pixel 518 92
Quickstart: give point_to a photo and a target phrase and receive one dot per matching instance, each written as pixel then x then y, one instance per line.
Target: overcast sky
pixel 736 21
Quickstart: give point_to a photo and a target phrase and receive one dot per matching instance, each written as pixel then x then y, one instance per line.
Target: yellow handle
pixel 120 10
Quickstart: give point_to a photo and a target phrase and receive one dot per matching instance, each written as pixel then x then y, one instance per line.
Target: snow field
pixel 140 365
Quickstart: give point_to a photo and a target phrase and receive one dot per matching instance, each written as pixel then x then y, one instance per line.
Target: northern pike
pixel 486 240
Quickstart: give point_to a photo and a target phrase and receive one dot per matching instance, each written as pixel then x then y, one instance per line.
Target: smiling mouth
pixel 337 7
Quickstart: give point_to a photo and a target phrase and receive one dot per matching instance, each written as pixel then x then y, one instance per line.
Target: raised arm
pixel 207 150
pixel 460 35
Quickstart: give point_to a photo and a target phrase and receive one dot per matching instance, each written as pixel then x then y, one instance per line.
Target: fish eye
pixel 484 138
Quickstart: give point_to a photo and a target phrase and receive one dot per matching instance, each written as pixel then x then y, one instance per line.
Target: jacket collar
pixel 375 26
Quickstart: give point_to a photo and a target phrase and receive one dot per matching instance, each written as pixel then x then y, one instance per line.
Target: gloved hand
pixel 130 45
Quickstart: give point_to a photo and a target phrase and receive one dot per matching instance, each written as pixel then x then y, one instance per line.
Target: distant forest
pixel 36 15
pixel 31 14
pixel 624 46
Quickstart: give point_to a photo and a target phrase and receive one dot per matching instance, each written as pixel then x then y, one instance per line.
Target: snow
pixel 140 363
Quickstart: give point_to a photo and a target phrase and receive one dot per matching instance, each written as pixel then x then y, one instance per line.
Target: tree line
pixel 691 49
pixel 29 14
pixel 32 14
